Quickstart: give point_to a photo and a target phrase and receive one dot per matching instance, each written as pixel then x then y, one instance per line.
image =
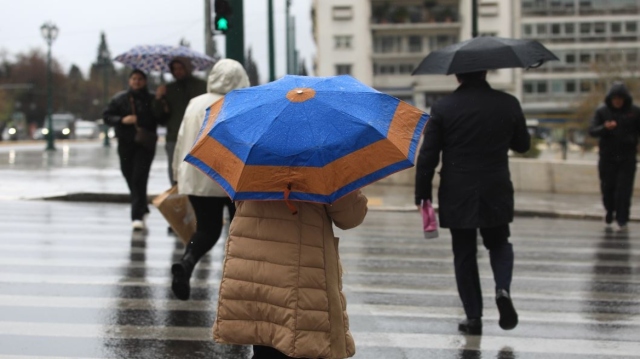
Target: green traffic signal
pixel 222 24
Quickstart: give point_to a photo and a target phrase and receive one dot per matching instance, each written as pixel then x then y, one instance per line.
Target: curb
pixel 532 213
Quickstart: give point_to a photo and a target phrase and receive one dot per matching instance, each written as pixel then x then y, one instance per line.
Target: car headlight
pixel 45 131
pixel 12 131
pixel 66 131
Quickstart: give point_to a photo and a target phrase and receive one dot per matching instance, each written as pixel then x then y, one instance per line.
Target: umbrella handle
pixel 536 65
pixel 292 208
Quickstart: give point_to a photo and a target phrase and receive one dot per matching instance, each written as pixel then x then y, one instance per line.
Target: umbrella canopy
pixel 305 138
pixel 157 57
pixel 484 53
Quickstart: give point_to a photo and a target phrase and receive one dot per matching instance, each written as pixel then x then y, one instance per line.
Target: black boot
pixel 181 275
pixel 471 326
pixel 508 314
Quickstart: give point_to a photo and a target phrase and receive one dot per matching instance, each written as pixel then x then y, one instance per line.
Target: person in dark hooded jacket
pixel 126 111
pixel 617 124
pixel 172 101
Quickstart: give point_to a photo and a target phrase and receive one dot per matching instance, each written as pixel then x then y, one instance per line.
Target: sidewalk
pixel 89 172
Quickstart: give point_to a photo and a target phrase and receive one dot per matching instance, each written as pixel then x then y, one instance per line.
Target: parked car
pixel 85 130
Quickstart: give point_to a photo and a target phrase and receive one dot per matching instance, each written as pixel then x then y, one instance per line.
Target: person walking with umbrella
pixel 206 196
pixel 474 128
pixel 172 101
pixel 294 154
pixel 130 112
pixel 617 125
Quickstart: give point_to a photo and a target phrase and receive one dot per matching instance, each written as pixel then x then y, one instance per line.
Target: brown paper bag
pixel 177 210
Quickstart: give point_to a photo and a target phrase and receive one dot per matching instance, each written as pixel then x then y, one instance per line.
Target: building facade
pixel 595 40
pixel 381 42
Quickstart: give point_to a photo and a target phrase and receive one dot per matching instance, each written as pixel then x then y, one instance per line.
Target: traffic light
pixel 223 14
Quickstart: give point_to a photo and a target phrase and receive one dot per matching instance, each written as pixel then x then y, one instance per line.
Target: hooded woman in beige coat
pixel 206 196
pixel 281 288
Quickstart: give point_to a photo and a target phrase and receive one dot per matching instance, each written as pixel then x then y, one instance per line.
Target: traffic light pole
pixel 272 51
pixel 474 18
pixel 235 35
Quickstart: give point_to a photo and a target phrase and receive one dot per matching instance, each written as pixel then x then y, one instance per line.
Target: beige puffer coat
pixel 282 278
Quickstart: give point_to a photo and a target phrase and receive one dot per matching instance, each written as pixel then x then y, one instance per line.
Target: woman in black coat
pixel 130 112
pixel 474 128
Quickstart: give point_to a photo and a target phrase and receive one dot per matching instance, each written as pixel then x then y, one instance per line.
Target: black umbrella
pixel 484 53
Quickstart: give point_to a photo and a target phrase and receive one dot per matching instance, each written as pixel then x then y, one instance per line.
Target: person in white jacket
pixel 206 196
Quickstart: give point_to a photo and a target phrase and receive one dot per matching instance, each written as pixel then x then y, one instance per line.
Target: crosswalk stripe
pixel 353 309
pixel 354 288
pixel 362 339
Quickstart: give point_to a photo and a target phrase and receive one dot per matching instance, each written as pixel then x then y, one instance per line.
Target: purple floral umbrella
pixel 157 57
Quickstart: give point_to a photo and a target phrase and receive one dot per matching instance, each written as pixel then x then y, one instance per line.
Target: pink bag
pixel 429 220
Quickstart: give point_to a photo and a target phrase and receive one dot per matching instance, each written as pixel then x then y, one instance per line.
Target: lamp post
pixel 49 32
pixel 104 58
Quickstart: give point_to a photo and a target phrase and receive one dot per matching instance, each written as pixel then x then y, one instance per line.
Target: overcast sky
pixel 132 22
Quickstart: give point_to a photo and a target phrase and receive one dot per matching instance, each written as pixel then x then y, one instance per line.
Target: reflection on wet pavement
pixel 75 283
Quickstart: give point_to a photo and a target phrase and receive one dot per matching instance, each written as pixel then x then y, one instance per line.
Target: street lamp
pixel 104 58
pixel 49 32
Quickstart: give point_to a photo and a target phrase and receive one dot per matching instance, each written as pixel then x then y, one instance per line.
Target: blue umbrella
pixel 157 57
pixel 306 138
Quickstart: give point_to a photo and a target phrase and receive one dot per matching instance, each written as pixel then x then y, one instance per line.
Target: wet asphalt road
pixel 75 283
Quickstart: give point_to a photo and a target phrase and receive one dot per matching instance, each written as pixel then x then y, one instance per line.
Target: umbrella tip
pixel 301 94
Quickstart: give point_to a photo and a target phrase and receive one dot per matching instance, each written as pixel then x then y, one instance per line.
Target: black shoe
pixel 181 276
pixel 508 315
pixel 471 326
pixel 608 218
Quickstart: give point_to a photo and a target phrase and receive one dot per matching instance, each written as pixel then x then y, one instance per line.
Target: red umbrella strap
pixel 292 208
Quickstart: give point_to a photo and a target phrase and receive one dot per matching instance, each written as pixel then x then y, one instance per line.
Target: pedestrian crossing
pixel 75 283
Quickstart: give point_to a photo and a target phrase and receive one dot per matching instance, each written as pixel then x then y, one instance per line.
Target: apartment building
pixel 380 42
pixel 596 41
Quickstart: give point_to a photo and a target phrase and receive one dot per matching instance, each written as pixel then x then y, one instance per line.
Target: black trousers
pixel 616 184
pixel 209 219
pixel 263 352
pixel 135 164
pixel 465 250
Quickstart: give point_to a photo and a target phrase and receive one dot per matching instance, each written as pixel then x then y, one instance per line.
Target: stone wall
pixel 532 175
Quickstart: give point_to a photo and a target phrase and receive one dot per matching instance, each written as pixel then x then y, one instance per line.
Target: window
pixel 569 28
pixel 386 69
pixel 541 29
pixel 343 69
pixel 488 9
pixel 632 56
pixel 585 28
pixel 585 86
pixel 528 87
pixel 527 29
pixel 570 86
pixel 616 27
pixel 631 27
pixel 570 58
pixel 386 44
pixel 541 87
pixel 406 68
pixel 555 29
pixel 342 42
pixel 341 13
pixel 557 86
pixel 585 58
pixel 415 43
pixel 600 28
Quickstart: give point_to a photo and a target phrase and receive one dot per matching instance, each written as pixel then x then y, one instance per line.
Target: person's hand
pixel 130 120
pixel 161 91
pixel 610 125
